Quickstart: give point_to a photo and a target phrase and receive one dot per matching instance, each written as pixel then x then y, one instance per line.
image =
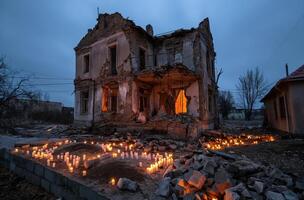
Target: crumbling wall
pixel 178 49
pixel 192 92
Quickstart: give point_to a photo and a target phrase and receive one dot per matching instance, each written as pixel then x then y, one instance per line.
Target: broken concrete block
pixel 127 184
pixel 229 195
pixel 196 179
pixel 258 186
pixel 164 188
pixel 274 196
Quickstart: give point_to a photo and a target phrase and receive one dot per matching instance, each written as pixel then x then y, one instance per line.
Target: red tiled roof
pixel 297 73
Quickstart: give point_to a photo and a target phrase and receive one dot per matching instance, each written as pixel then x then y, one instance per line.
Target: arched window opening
pixel 181 103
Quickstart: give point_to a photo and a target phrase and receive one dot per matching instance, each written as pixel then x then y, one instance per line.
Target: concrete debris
pixel 127 184
pixel 274 196
pixel 164 188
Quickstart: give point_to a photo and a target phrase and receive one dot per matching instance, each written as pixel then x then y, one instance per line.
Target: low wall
pixel 47 178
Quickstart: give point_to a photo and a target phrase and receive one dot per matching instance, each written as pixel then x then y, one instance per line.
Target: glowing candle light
pixel 54 165
pixel 112 182
pixel 71 169
pixel 84 157
pixel 84 173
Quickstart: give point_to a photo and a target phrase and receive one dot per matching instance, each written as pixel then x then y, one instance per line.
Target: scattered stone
pixel 127 184
pixel 274 196
pixel 222 180
pixel 258 186
pixel 243 167
pixel 174 173
pixel 209 167
pixel 164 188
pixel 172 146
pixel 300 184
pixel 229 195
pixel 196 179
pixel 289 195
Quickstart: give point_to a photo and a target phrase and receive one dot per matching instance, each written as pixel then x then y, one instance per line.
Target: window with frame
pixel 142 59
pixel 113 59
pixel 282 107
pixel 84 102
pixel 86 63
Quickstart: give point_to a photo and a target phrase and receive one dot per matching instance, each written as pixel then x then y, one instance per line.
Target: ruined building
pixel 126 77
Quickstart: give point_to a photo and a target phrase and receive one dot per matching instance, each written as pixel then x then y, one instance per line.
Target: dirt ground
pixel 13 187
pixel 288 155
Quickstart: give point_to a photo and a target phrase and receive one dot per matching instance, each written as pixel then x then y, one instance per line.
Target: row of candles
pixel 230 141
pixel 160 162
pixel 72 162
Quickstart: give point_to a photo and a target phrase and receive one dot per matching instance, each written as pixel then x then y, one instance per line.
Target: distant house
pixel 284 103
pixel 239 114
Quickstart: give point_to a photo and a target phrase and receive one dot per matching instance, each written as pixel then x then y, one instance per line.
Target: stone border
pixel 47 178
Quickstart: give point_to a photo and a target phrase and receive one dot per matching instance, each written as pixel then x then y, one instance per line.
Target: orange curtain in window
pixel 104 101
pixel 181 103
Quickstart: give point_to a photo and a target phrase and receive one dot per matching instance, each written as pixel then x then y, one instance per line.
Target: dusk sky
pixel 37 37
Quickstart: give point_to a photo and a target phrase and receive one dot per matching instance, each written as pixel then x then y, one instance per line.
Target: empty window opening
pixel 86 61
pixel 275 109
pixel 181 103
pixel 155 60
pixel 282 107
pixel 114 103
pixel 142 58
pixel 113 59
pixel 84 104
pixel 104 100
pixel 113 99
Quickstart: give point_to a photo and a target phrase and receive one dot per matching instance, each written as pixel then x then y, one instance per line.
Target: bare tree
pixel 12 87
pixel 226 103
pixel 251 87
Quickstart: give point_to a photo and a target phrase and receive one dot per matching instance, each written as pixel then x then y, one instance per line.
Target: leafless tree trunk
pixel 12 88
pixel 251 87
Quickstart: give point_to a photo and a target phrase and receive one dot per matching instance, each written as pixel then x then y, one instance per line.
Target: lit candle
pixel 83 157
pixel 71 169
pixel 112 181
pixel 54 165
pixel 84 173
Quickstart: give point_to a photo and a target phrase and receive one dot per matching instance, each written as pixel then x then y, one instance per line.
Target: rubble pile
pixel 203 175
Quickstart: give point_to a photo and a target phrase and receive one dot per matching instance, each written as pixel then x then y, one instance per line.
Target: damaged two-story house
pixel 128 78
